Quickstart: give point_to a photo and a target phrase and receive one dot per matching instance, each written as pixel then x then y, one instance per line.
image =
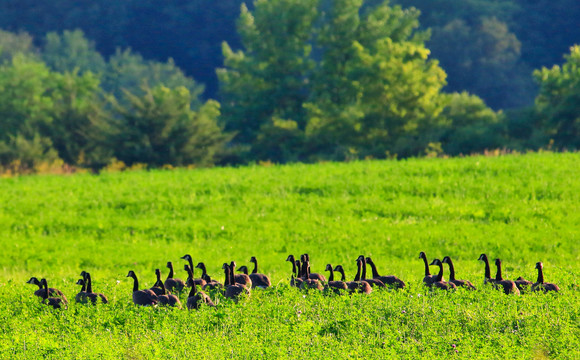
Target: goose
pixel 440 283
pixel 172 284
pixel 390 280
pixel 258 280
pixel 487 276
pixel 307 281
pixel 540 284
pixel 242 279
pixel 522 283
pixel 81 297
pixel 142 297
pixel 305 258
pixel 168 299
pixel 55 302
pixel 90 295
pixel 197 298
pixel 509 287
pixel 428 278
pixel 210 284
pixel 336 285
pixel 372 282
pixel 204 274
pixel 452 279
pixel 296 278
pixel 52 292
pixel 233 290
pixel 354 286
pixel 199 282
pixel 156 288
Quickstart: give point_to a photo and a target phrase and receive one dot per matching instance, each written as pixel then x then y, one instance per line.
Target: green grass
pixel 522 209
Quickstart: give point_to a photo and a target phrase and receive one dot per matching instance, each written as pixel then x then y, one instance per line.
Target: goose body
pixel 540 284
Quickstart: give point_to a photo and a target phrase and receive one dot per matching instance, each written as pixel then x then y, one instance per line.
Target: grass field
pixel 522 209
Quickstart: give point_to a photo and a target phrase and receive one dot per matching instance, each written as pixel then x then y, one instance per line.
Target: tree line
pixel 303 80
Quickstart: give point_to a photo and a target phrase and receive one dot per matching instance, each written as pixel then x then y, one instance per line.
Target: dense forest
pixel 192 82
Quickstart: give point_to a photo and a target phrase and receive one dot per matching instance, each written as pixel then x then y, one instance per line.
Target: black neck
pixel 189 273
pixel 232 275
pixel 193 291
pixel 170 266
pixel 135 282
pixel 540 275
pixel 255 271
pixel 331 277
pixel 227 275
pixel 89 283
pixel 305 268
pixel 357 276
pixel 190 260
pixel 427 272
pixel 342 276
pixel 364 269
pixel 487 269
pixel 293 266
pixel 451 269
pixel 373 268
pixel 45 295
pixel 498 274
pixel 203 270
pixel 84 286
pixel 440 275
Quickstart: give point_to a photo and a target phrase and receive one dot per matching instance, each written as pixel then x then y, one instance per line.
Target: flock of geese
pixel 236 284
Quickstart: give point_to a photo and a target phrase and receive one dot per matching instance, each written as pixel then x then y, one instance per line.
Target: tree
pixel 269 81
pixel 71 52
pixel 558 102
pixel 472 126
pixel 25 107
pixel 349 79
pixel 12 44
pixel 160 128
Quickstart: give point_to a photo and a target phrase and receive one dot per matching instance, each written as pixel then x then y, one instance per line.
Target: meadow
pixel 520 208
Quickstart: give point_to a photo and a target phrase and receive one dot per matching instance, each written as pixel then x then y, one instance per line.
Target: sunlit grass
pixel 522 209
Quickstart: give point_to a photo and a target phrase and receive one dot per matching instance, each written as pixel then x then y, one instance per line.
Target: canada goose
pixel 204 274
pixel 242 279
pixel 90 295
pixel 336 285
pixel 258 280
pixel 168 299
pixel 522 283
pixel 198 282
pixel 305 258
pixel 487 277
pixel 428 279
pixel 210 284
pixel 463 283
pixel 172 284
pixel 390 280
pixel 540 284
pixel 509 287
pixel 197 298
pixel 354 286
pixel 307 281
pixel 81 297
pixel 156 288
pixel 142 297
pixel 233 290
pixel 295 279
pixel 440 283
pixel 55 302
pixel 372 282
pixel 41 291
